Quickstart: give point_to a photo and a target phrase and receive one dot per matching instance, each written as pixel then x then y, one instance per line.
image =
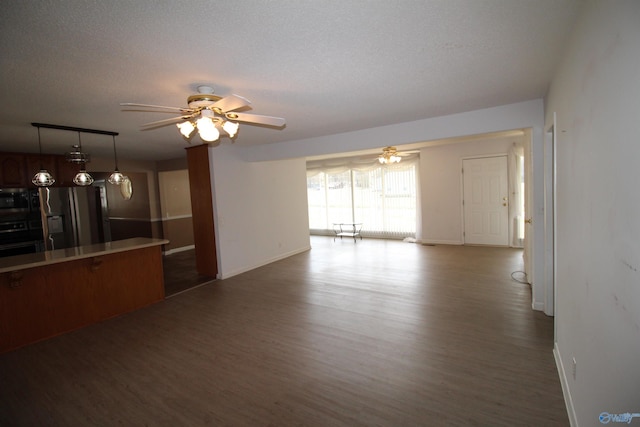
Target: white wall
pixel 260 210
pixel 441 186
pixel 596 95
pixel 175 197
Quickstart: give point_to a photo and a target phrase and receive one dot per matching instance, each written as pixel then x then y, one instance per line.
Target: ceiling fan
pixel 392 155
pixel 210 114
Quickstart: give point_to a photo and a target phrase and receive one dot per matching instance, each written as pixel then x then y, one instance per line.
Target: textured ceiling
pixel 326 66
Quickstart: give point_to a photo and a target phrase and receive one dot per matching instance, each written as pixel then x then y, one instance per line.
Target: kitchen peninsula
pixel 48 293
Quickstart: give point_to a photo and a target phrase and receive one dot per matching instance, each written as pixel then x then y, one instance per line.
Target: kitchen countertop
pixel 23 262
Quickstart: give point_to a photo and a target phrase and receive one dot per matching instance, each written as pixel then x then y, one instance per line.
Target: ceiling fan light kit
pixel 231 128
pixel 210 115
pixel 186 129
pixel 389 155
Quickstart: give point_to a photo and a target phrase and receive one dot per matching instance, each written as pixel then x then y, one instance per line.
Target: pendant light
pixel 82 178
pixel 42 178
pixel 116 178
pixel 76 156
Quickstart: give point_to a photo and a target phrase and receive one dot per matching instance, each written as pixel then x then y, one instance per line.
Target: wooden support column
pixel 202 210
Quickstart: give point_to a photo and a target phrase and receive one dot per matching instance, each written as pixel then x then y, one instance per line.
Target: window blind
pixel 382 197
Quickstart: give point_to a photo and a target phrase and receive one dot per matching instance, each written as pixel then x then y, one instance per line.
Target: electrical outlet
pixel 574 366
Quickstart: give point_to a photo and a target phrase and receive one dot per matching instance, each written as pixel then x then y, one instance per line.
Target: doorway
pixel 180 273
pixel 485 201
pixel 179 260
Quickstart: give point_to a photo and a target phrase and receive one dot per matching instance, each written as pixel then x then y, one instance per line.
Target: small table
pixel 347 229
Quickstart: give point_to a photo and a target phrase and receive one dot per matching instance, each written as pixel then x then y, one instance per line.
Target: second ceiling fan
pixel 210 115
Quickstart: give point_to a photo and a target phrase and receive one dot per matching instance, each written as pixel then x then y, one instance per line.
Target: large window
pixel 382 197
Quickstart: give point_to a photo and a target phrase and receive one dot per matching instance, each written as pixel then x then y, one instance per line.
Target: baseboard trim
pixel 538 306
pixel 190 289
pixel 568 401
pixel 223 275
pixel 440 242
pixel 181 249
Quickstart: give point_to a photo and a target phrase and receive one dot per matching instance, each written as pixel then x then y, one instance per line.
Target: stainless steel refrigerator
pixel 74 216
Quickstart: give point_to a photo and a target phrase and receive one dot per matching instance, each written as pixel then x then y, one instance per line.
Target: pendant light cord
pixel 115 154
pixel 83 166
pixel 40 149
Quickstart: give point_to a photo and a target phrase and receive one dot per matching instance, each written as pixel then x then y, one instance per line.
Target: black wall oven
pixel 20 222
pixel 16 237
pixel 14 200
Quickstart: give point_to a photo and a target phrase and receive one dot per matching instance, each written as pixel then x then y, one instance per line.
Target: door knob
pixel 528 221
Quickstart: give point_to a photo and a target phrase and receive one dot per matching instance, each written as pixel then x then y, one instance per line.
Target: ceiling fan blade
pixel 230 103
pixel 131 104
pixel 167 121
pixel 257 119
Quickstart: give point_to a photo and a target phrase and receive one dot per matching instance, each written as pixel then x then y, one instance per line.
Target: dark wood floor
pixel 180 273
pixel 378 333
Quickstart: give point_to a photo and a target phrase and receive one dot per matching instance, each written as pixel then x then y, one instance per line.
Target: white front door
pixel 486 201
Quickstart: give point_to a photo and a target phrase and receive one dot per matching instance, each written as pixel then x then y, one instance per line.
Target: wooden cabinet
pixel 65 172
pixel 13 172
pixel 17 169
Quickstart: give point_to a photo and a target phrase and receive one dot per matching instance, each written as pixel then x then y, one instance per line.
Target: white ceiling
pixel 327 66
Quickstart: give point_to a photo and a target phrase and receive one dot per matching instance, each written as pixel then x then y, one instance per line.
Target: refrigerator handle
pixel 75 212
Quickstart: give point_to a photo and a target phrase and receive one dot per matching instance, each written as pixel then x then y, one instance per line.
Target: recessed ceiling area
pixel 326 67
pixel 515 134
